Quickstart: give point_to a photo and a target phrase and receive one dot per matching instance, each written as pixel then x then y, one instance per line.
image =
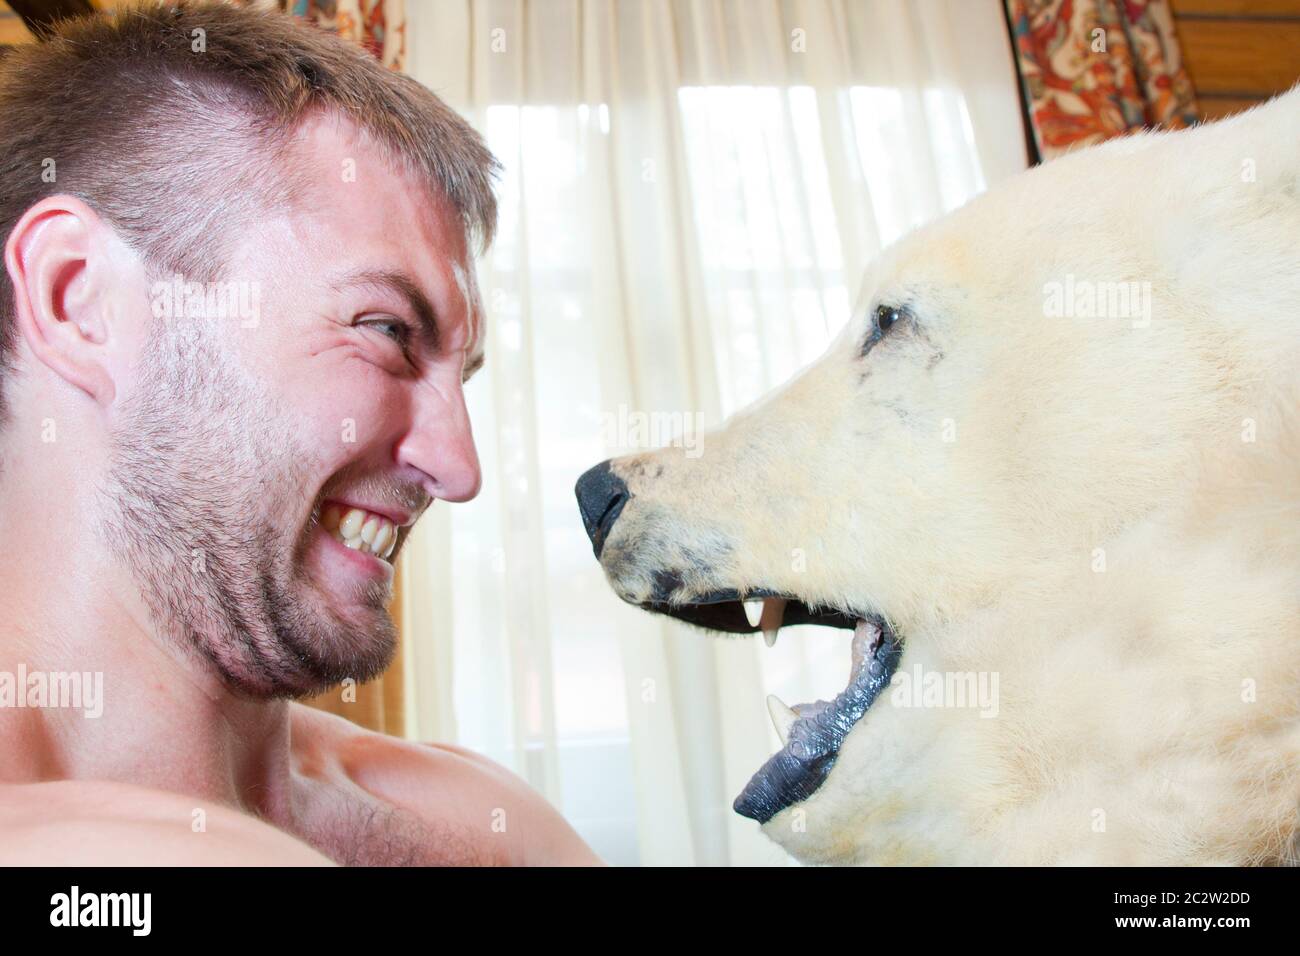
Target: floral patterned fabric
pixel 1093 69
pixel 378 25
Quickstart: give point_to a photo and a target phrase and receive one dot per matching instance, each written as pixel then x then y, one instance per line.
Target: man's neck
pixel 165 720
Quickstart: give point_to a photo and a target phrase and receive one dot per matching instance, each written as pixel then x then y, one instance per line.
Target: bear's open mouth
pixel 811 733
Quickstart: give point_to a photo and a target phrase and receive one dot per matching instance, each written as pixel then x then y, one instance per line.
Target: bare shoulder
pixel 504 819
pixel 98 823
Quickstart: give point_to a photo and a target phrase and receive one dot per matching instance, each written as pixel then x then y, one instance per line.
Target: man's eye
pixel 395 329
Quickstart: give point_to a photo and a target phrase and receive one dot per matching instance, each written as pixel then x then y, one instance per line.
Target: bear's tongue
pixel 813 732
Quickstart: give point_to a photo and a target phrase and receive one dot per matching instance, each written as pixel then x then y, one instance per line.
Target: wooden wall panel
pixel 1236 8
pixel 1238 52
pixel 1241 57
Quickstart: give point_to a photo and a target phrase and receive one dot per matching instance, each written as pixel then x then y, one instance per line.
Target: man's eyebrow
pixel 404 286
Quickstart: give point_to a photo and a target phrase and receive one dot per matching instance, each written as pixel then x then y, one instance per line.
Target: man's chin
pixel 360 660
pixel 324 642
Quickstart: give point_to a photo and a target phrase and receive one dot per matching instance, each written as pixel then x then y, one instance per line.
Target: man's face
pixel 242 440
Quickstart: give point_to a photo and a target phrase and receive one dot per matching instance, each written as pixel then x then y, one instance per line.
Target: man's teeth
pixel 361 530
pixel 782 717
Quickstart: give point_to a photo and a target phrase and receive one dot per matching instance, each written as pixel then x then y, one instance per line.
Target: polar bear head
pixel 1022 382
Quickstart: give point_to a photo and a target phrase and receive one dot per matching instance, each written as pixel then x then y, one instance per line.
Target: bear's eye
pixel 884 318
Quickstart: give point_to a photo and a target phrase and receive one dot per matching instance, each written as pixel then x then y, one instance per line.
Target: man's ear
pixel 59 265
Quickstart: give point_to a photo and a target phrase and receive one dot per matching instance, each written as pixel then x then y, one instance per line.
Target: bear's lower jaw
pixel 812 733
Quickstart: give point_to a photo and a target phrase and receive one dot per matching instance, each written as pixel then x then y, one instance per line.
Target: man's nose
pixel 459 477
pixel 442 446
pixel 601 497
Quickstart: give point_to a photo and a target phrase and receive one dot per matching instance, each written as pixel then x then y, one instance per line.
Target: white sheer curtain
pixel 692 190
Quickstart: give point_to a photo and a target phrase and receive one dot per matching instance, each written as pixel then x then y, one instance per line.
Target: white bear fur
pixel 964 477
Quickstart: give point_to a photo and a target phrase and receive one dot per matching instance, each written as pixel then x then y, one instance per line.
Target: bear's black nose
pixel 601 497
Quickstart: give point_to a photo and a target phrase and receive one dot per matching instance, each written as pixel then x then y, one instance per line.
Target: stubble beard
pixel 205 484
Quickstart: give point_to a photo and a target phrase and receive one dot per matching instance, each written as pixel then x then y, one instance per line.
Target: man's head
pixel 238 288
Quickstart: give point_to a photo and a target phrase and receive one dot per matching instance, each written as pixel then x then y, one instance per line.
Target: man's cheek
pixel 353 415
